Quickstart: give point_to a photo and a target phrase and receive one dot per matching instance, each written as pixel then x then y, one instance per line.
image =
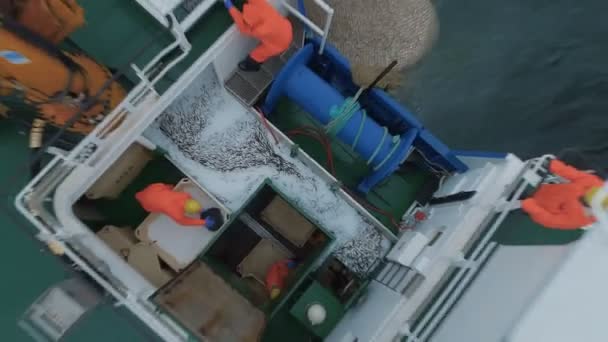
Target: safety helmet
pixel 275 293
pixel 588 197
pixel 192 207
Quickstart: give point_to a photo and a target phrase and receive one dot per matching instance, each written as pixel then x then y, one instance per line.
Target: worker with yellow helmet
pixel 564 205
pixel 179 205
pixel 588 198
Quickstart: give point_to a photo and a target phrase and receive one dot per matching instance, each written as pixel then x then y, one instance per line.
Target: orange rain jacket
pixel 278 272
pixel 263 22
pixel 559 206
pixel 161 198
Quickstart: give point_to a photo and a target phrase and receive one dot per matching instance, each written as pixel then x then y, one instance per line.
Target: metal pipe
pixel 196 14
pixel 461 286
pixel 328 21
pixel 304 19
pixel 324 6
pixel 180 40
pixel 154 11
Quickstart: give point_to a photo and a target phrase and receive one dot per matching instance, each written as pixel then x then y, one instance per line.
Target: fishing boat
pixel 396 235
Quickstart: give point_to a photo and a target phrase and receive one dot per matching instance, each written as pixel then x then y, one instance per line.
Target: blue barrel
pixel 318 98
pixel 301 85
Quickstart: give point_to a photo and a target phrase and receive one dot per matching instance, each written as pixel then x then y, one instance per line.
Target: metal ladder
pixel 397 277
pixel 249 86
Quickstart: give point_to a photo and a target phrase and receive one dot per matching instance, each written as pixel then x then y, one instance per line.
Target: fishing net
pixel 362 252
pixel 225 146
pixel 371 34
pixel 227 150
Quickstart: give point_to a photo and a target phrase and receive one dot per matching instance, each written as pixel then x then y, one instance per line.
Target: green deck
pixel 118 25
pixel 317 293
pixel 37 269
pixel 114 32
pixel 281 322
pixel 29 268
pixel 394 195
pixel 125 211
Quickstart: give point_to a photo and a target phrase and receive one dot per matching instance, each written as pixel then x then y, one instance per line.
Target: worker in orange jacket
pixel 263 22
pixel 161 198
pixel 562 206
pixel 276 276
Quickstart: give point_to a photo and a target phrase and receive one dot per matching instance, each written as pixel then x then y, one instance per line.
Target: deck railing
pixel 159 9
pixel 322 32
pixel 39 202
pixel 426 325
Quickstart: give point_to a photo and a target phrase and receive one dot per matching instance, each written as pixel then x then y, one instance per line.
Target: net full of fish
pixel 227 150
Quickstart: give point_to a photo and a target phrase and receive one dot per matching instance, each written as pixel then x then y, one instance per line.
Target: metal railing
pixel 108 139
pixel 322 32
pixel 160 9
pixel 458 283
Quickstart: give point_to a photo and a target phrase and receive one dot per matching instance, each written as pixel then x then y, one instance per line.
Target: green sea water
pixel 529 77
pixel 522 76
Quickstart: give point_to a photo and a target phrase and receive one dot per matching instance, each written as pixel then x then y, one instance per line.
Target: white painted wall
pixel 572 305
pixel 386 313
pixel 501 292
pixel 362 321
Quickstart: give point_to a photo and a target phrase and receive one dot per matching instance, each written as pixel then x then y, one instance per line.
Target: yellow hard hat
pixel 192 207
pixel 275 293
pixel 591 193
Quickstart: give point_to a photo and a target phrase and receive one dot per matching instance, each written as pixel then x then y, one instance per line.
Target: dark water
pixel 522 76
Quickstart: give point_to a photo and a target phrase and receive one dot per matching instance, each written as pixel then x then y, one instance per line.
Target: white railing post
pixel 323 33
pixel 303 18
pixel 328 21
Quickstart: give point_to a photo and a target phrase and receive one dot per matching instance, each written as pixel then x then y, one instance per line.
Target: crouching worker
pixel 276 276
pixel 263 22
pixel 564 205
pixel 179 206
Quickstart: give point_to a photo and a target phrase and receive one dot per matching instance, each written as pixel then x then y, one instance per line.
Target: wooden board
pixel 121 174
pixel 257 263
pixel 120 240
pixel 288 221
pixel 211 309
pixel 144 259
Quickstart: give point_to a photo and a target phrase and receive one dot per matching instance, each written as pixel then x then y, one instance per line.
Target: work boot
pixel 249 64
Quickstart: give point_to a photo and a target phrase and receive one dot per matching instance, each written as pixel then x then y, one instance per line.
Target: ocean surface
pixel 522 76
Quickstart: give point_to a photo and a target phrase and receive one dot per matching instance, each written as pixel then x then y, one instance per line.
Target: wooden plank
pixel 288 221
pixel 210 308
